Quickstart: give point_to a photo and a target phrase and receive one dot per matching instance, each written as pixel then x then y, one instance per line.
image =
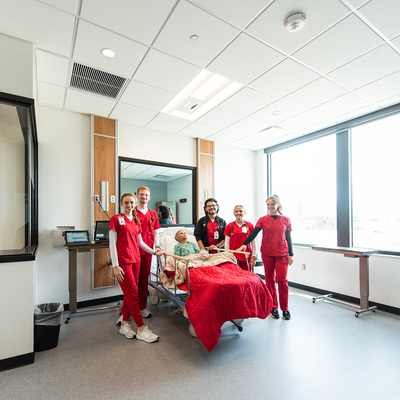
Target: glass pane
pixel 170 186
pixel 304 178
pixel 12 174
pixel 376 192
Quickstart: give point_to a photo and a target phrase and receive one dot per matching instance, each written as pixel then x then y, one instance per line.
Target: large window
pixel 18 179
pixel 304 178
pixel 376 191
pixel 339 185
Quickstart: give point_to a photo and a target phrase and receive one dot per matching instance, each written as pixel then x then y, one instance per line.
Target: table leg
pixel 364 282
pixel 72 279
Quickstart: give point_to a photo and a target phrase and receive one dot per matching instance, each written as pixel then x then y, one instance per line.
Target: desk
pixel 73 251
pixel 363 265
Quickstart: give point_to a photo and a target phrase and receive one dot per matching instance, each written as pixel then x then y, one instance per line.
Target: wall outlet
pixel 96 198
pixel 303 266
pixel 112 199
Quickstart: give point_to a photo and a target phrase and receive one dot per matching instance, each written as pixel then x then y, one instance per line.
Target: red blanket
pixel 222 293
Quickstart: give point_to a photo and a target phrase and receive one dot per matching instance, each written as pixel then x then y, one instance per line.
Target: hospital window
pixel 376 192
pixel 304 178
pixel 339 185
pixel 18 179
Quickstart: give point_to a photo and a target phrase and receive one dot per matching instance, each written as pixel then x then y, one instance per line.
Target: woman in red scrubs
pixel 276 253
pixel 125 240
pixel 236 233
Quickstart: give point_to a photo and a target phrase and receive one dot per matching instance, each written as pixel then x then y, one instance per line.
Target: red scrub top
pixel 274 235
pixel 212 227
pixel 149 223
pixel 127 238
pixel 237 236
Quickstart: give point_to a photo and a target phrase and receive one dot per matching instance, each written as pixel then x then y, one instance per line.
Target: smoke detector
pixel 295 22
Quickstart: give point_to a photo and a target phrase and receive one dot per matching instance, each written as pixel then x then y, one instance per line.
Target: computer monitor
pixel 101 231
pixel 77 237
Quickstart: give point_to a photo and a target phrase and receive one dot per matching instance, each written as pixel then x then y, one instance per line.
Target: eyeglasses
pixel 211 206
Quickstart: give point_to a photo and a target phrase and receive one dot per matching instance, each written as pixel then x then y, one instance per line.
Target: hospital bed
pixel 208 289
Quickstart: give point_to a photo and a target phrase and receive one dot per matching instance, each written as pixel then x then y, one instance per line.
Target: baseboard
pixel 348 299
pixel 96 302
pixel 17 361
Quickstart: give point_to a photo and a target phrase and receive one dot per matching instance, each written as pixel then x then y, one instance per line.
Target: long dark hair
pixel 164 212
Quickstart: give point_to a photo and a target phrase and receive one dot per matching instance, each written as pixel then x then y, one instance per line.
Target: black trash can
pixel 48 317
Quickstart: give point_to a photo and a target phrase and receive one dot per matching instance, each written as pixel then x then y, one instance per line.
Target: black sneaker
pixel 286 314
pixel 275 313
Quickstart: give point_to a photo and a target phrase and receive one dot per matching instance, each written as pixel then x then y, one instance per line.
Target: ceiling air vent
pixel 96 81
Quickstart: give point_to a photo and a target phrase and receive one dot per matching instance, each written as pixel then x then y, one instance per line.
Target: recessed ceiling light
pixel 295 22
pixel 203 93
pixel 108 53
pixel 194 38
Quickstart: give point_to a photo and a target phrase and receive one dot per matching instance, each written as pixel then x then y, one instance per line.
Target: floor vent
pixel 96 81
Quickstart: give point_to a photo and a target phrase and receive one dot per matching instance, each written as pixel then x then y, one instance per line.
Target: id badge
pixel 244 229
pixel 121 220
pixel 216 235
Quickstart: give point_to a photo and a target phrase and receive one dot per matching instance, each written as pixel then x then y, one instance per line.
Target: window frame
pixel 31 180
pixel 343 132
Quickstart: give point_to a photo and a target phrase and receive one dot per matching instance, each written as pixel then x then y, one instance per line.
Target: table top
pixel 346 251
pixel 87 246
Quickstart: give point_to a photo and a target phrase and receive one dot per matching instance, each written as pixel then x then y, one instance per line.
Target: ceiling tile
pixel 295 76
pixel 16 19
pixel 237 12
pixel 167 123
pixel 90 40
pixel 51 95
pixel 382 89
pixel 166 72
pixel 69 6
pixel 245 59
pixel 220 118
pixel 132 115
pixel 345 41
pixel 146 96
pixel 87 103
pixel 269 25
pixel 341 105
pixel 276 112
pixel 374 65
pixel 301 121
pixel 187 20
pixel 357 3
pixel 305 97
pixel 196 129
pixel 136 19
pixel 247 101
pixel 51 68
pixel 387 22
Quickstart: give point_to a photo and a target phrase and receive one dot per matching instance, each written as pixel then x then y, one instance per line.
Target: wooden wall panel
pixel 104 161
pixel 205 173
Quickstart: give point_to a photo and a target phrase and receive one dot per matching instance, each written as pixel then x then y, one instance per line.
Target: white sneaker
pixel 147 335
pixel 127 331
pixel 145 313
pixel 119 322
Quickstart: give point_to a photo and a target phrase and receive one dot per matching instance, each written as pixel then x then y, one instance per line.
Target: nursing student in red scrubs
pixel 236 233
pixel 125 240
pixel 150 227
pixel 209 230
pixel 276 253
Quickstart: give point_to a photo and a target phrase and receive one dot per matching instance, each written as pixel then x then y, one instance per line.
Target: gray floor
pixel 324 352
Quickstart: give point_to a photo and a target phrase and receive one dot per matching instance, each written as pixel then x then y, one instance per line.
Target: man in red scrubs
pixel 209 230
pixel 150 226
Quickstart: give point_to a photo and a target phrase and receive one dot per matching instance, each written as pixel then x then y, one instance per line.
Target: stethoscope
pixel 233 226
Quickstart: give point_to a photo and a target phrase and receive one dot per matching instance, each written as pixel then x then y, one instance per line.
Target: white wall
pixel 16 302
pixel 334 272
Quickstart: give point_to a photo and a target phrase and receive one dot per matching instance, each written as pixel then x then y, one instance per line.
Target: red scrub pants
pixel 276 268
pixel 130 305
pixel 143 284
